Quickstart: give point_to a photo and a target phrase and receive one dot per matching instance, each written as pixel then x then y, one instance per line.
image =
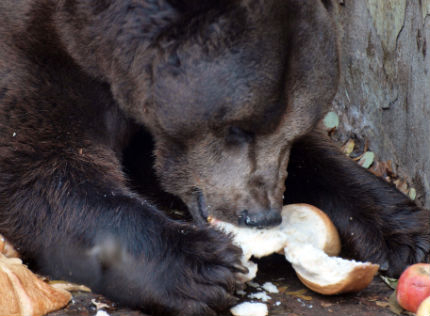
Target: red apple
pixel 414 286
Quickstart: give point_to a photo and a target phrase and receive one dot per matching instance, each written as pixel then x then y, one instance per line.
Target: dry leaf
pixel 23 293
pixel 325 305
pixel 378 169
pixel 391 282
pixel 67 286
pixel 300 294
pixel 282 289
pixel 389 167
pixel 394 306
pixel 382 304
pixel 402 186
pixel 348 148
pixel 373 298
pixel 99 305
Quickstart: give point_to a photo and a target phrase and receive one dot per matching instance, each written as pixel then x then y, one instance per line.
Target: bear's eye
pixel 237 136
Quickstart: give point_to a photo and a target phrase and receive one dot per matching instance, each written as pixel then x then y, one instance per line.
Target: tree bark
pixel 384 93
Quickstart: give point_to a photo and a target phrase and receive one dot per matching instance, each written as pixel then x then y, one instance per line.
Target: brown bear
pixel 111 110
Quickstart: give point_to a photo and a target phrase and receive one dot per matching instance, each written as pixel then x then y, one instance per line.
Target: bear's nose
pixel 265 218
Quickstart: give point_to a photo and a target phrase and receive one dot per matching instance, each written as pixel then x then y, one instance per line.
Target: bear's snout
pixel 261 219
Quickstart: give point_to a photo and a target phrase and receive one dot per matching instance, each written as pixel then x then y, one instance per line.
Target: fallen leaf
pixel 300 294
pixel 391 282
pixel 402 186
pixel 367 159
pixel 382 304
pixel 71 287
pixel 99 305
pixel 378 169
pixel 373 298
pixel 412 194
pixel 331 120
pixel 348 148
pixel 282 289
pixel 389 167
pixel 325 305
pixel 394 306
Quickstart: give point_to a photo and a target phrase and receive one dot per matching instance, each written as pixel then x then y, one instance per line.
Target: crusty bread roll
pixel 301 223
pixel 23 293
pixel 310 241
pixel 329 275
pixel 307 224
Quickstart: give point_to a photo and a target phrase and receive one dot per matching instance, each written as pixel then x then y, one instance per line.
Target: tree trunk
pixel 384 94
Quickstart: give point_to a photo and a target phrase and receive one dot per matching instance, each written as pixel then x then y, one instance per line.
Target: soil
pixel 293 299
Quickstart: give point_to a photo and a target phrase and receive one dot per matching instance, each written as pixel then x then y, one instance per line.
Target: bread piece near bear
pixel 23 293
pixel 310 242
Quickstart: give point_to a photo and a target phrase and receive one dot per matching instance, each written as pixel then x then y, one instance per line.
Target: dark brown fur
pixel 106 105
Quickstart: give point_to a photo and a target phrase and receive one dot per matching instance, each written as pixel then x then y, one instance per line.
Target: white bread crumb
pixel 270 287
pixel 250 309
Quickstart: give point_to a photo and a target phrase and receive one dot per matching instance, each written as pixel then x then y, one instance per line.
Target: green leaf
pixel 367 159
pixel 394 306
pixel 331 120
pixel 348 148
pixel 391 282
pixel 412 194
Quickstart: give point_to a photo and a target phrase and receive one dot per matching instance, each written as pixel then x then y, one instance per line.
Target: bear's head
pixel 230 94
pixel 224 87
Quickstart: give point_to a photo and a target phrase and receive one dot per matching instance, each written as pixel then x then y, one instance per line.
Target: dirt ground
pixel 293 300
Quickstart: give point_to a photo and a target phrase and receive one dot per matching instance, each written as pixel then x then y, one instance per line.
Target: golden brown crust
pixel 8 297
pixel 357 279
pixel 23 293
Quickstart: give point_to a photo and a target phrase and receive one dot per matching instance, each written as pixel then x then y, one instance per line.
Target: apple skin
pixel 413 286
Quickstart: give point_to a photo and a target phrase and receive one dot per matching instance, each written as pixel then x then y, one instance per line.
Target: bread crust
pixel 23 293
pixel 332 246
pixel 358 278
